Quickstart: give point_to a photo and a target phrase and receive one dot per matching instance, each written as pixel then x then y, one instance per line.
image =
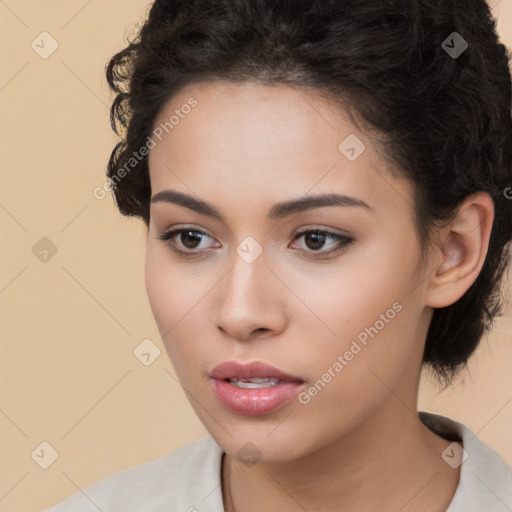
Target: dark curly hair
pixel 444 120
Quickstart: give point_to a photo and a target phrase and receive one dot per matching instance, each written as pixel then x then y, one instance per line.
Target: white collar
pixel 485 479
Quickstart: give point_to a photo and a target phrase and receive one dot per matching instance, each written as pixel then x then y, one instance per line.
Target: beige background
pixel 69 325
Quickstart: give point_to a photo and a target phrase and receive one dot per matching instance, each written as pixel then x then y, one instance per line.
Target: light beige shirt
pixel 188 480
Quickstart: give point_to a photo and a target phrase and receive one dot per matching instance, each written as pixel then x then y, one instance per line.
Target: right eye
pixel 185 241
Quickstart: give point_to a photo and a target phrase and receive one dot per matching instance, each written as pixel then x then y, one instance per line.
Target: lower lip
pixel 255 401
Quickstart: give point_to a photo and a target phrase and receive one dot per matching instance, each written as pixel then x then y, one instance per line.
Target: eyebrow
pixel 278 211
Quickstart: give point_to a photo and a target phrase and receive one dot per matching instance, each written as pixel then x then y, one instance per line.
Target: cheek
pixel 158 286
pixel 344 301
pixel 175 297
pixel 365 313
pixel 354 372
pixel 170 294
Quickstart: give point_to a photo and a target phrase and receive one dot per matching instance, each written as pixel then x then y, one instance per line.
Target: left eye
pixel 315 240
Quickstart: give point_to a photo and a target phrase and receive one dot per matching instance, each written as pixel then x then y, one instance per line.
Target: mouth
pixel 253 389
pixel 253 383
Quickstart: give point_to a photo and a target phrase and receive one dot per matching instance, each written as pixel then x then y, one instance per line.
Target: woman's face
pixel 340 308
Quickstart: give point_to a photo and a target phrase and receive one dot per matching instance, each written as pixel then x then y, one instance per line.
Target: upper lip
pixel 252 370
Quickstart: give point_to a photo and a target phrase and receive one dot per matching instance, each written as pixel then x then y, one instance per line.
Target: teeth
pixel 254 383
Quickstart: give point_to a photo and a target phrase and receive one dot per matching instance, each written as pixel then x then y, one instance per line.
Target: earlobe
pixel 462 252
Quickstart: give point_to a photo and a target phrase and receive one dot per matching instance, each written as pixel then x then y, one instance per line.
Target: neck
pixel 391 462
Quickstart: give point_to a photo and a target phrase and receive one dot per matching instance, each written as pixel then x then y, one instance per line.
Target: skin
pixel 358 444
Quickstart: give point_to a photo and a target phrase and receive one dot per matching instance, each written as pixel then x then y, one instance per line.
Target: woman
pixel 326 187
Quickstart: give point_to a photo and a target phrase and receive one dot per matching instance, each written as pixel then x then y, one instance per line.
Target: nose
pixel 250 301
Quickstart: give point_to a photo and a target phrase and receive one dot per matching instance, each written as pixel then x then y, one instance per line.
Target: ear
pixel 461 253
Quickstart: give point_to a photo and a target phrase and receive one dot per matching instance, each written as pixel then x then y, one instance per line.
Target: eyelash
pixel 343 240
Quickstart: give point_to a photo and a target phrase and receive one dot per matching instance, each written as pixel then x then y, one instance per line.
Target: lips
pixel 253 389
pixel 253 370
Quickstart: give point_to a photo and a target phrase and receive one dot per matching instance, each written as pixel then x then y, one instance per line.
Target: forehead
pixel 247 141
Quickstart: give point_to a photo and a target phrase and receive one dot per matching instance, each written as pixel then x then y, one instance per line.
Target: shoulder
pixel 186 479
pixel 485 478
